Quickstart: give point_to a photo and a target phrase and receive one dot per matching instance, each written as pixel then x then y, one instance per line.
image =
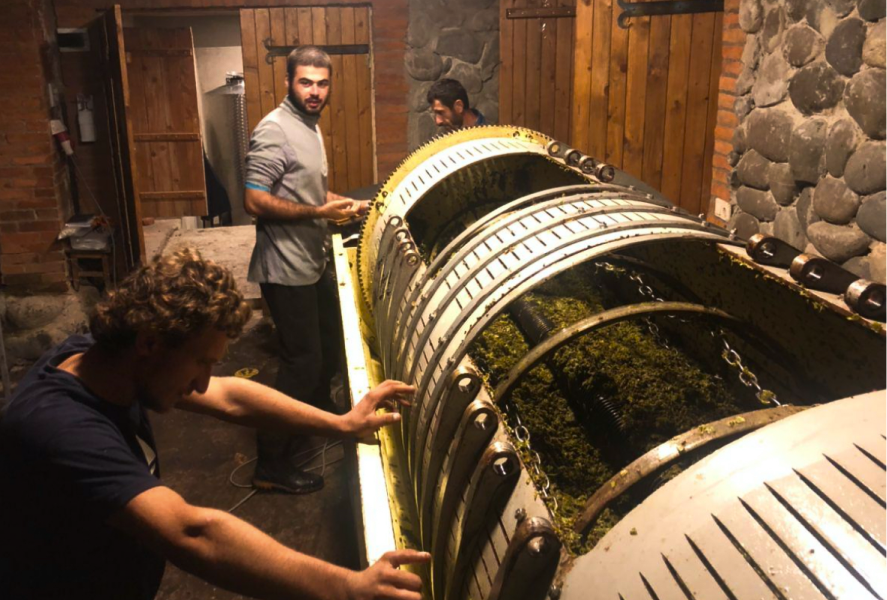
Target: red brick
pixel 722 147
pixel 720 162
pixel 724 133
pixel 725 101
pixel 731 67
pixel 39 203
pixel 12 194
pixel 17 215
pixel 8 228
pixel 727 83
pixel 20 183
pixel 734 36
pixel 44 192
pixel 39 226
pixel 719 190
pixel 727 119
pixel 27 138
pixel 731 19
pixel 32 160
pixel 48 213
pixel 731 52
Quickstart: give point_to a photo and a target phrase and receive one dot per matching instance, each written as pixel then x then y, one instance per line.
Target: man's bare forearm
pixel 267 206
pixel 252 404
pixel 228 552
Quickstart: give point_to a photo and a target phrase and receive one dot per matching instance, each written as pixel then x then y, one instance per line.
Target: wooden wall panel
pixel 643 97
pixel 536 73
pixel 346 122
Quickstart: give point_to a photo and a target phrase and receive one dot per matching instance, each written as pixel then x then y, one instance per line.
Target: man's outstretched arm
pixel 254 405
pixel 262 203
pixel 232 554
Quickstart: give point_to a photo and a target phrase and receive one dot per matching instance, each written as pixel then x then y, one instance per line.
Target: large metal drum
pixel 478 234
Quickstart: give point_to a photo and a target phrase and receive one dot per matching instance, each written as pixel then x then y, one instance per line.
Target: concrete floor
pixel 198 454
pixel 228 246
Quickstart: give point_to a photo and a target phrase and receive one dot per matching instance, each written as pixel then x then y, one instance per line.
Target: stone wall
pixel 808 160
pixel 458 39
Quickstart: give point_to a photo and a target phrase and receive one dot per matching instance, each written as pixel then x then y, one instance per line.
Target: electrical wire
pixel 318 451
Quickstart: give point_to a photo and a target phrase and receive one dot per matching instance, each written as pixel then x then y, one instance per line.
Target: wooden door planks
pixel 536 72
pixel 676 105
pixel 366 117
pixel 697 111
pixel 657 85
pixel 643 97
pixel 166 123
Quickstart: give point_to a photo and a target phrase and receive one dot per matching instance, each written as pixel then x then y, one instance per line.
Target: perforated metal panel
pixel 794 510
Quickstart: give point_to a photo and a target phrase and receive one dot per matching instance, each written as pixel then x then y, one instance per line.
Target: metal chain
pixel 746 376
pixel 522 434
pixel 730 356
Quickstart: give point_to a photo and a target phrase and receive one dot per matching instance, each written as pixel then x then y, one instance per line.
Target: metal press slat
pixel 770 562
pixel 826 481
pixel 725 565
pixel 863 470
pixel 833 531
pixel 809 554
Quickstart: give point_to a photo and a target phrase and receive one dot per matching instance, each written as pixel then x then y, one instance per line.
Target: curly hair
pixel 176 296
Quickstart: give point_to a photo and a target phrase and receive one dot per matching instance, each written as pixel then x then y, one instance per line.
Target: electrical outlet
pixel 723 210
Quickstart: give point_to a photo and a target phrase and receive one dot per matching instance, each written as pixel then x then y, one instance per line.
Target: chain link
pixel 746 376
pixel 522 434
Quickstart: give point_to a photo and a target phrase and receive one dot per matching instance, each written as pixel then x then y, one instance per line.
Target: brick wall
pixel 33 179
pixel 390 20
pixel 733 42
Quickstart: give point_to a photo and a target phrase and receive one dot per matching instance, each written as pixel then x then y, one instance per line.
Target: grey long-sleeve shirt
pixel 287 158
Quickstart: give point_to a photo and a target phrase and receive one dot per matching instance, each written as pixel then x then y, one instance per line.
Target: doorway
pixel 217 60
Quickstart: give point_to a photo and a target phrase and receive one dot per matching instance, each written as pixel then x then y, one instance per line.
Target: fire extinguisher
pixel 60 132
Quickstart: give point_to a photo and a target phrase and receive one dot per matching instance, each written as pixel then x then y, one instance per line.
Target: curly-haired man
pixel 84 512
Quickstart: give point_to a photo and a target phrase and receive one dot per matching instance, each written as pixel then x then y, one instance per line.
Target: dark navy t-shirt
pixel 69 460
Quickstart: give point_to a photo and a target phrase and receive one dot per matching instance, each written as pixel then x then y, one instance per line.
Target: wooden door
pixel 645 98
pixel 347 120
pixel 165 121
pixel 535 79
pixel 108 30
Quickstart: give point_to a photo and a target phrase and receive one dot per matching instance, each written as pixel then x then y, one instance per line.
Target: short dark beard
pixel 297 102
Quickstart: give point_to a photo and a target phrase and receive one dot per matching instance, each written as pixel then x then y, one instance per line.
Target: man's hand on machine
pixel 384 581
pixel 343 210
pixel 363 420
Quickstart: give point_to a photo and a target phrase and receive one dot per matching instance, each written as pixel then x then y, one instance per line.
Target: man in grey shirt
pixel 287 190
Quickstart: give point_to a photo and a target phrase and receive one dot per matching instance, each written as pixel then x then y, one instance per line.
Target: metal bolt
pixel 554 592
pixel 482 421
pixel 520 514
pixel 538 546
pixel 465 385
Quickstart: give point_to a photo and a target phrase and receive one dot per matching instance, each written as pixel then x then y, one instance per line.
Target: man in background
pixel 449 104
pixel 287 190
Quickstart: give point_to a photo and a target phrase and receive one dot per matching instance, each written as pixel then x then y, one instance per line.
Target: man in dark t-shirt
pixel 68 461
pixel 83 513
